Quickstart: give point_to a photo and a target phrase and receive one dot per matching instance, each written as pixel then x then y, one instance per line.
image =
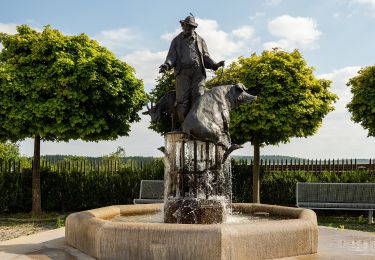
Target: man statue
pixel 189 57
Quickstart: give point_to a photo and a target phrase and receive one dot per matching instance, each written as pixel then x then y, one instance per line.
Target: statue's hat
pixel 189 20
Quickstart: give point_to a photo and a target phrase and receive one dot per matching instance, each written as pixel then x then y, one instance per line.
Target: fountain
pixel 196 220
pixel 197 183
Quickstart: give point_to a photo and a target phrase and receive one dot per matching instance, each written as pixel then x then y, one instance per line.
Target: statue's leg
pixel 183 93
pixel 197 84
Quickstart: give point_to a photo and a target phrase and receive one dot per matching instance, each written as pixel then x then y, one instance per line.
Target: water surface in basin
pixel 234 218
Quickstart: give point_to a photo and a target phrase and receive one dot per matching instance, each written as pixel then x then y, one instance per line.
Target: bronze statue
pixel 208 118
pixel 197 175
pixel 188 56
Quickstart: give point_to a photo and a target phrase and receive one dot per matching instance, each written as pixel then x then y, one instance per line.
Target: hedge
pixel 75 191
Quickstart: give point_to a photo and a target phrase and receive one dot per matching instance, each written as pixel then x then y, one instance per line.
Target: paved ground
pixel 338 244
pixel 333 244
pixel 41 246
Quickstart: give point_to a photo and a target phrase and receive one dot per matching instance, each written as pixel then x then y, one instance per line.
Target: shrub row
pixel 279 187
pixel 75 191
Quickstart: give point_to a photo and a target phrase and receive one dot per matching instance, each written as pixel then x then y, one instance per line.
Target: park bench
pixel 151 191
pixel 337 196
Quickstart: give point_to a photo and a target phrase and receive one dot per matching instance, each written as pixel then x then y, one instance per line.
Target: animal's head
pixel 238 95
pixel 153 111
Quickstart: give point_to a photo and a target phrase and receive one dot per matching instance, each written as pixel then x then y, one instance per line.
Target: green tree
pixel 291 101
pixel 9 151
pixel 164 84
pixel 57 88
pixel 362 105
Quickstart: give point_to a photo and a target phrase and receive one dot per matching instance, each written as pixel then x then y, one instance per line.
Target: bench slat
pixel 339 193
pixel 151 191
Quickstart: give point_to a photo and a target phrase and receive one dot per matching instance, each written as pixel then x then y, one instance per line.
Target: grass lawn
pixel 346 222
pixel 21 224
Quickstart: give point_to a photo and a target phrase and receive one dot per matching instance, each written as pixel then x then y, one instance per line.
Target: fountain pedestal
pixel 197 183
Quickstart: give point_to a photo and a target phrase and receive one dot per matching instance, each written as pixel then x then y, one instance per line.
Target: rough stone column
pixel 197 184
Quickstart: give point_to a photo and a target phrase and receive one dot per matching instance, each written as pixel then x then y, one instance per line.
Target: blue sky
pixel 335 36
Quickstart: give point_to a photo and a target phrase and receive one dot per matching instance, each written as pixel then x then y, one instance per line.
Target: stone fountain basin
pixel 93 233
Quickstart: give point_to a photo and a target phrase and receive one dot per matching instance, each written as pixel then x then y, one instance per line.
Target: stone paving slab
pixel 41 246
pixel 333 244
pixel 342 244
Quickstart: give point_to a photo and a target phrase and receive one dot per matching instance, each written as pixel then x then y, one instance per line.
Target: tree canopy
pixel 64 87
pixel 291 101
pixel 362 105
pixel 9 151
pixel 56 87
pixel 166 82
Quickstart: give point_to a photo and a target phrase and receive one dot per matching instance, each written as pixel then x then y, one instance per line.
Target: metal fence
pixel 99 165
pixel 78 165
pixel 318 166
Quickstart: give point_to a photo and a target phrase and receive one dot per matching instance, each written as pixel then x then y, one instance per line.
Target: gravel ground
pixel 13 230
pixel 23 224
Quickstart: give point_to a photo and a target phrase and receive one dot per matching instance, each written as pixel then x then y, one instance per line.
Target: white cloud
pixel 218 41
pixel 118 40
pixel 339 79
pixel 245 32
pixel 339 137
pixel 257 15
pixel 283 44
pixel 170 35
pixel 146 64
pixel 221 44
pixel 294 32
pixel 273 2
pixel 368 2
pixel 9 28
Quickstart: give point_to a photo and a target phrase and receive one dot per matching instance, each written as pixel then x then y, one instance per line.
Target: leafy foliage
pixel 64 87
pixel 164 84
pixel 362 105
pixel 75 191
pixel 9 151
pixel 279 187
pixel 291 101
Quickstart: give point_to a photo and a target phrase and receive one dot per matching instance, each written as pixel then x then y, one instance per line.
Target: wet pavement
pixel 333 244
pixel 342 244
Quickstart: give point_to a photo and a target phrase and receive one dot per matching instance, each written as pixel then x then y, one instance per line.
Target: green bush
pixel 279 187
pixel 75 191
pixel 70 191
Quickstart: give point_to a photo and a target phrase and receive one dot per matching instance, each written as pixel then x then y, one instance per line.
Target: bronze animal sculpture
pixel 208 118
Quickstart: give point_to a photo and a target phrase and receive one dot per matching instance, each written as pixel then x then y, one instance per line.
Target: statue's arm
pixel 172 55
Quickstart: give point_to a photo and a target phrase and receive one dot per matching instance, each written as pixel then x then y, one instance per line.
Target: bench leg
pixel 370 217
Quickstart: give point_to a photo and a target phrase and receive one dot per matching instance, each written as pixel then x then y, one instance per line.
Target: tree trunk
pixel 256 170
pixel 36 195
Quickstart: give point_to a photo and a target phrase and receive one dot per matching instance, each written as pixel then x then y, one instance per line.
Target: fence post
pixel 286 165
pixel 329 165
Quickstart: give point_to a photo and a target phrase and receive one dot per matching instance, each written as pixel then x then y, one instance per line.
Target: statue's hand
pixel 163 68
pixel 219 64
